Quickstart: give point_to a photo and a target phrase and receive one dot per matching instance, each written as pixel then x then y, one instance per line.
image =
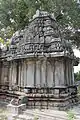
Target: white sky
pixel 77 54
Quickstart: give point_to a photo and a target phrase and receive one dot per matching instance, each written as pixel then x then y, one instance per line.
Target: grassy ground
pixel 3 111
pixel 2 114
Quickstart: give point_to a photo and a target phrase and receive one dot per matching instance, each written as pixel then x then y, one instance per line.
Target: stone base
pixel 51 103
pixel 47 98
pixel 62 100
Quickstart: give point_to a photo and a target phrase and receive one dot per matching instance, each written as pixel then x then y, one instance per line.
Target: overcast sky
pixel 77 54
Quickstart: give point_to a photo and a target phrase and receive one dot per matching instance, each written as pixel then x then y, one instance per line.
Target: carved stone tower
pixel 42 62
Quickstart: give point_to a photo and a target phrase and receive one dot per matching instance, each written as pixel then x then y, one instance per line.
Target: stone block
pixel 16 109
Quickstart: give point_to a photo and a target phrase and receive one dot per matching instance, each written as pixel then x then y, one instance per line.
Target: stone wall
pixel 49 72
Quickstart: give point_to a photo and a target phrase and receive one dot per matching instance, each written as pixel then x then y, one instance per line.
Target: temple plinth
pixel 40 63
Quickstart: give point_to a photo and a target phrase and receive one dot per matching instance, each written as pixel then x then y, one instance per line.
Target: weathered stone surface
pixel 16 109
pixel 40 63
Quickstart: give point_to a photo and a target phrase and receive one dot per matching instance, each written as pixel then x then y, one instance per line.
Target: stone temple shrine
pixel 40 63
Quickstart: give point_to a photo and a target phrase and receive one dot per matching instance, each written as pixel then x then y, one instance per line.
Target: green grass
pixel 3 113
pixel 70 115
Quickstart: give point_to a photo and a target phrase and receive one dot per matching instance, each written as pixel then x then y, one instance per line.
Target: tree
pixel 15 15
pixel 77 76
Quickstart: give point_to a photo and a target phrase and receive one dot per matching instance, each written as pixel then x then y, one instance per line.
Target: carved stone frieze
pixel 40 36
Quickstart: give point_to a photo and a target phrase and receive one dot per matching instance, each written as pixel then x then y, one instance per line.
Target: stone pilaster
pixel 2 75
pixel 49 74
pixel 59 73
pixel 30 73
pixel 40 73
pixel 34 72
pixel 22 73
pixel 43 73
pixel 10 74
pixel 38 66
pixel 19 82
pixel 25 73
pixel 67 73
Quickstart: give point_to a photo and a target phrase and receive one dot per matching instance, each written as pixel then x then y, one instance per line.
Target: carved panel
pixel 40 36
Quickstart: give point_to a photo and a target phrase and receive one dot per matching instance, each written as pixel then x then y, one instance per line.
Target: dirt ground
pixel 43 114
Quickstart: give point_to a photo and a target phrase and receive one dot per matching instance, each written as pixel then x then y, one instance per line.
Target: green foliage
pixel 70 115
pixel 36 117
pixel 15 15
pixel 79 91
pixel 7 43
pixel 3 113
pixel 77 76
pixel 1 40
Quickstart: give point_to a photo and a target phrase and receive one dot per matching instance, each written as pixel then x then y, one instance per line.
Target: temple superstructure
pixel 41 61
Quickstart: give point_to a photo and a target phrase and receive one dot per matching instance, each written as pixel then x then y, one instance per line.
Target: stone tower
pixel 41 62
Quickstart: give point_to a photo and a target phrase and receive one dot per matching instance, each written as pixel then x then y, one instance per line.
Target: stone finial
pixel 40 13
pixel 37 14
pixel 52 16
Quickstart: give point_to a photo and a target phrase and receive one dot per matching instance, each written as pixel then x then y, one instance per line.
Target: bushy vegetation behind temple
pixel 15 15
